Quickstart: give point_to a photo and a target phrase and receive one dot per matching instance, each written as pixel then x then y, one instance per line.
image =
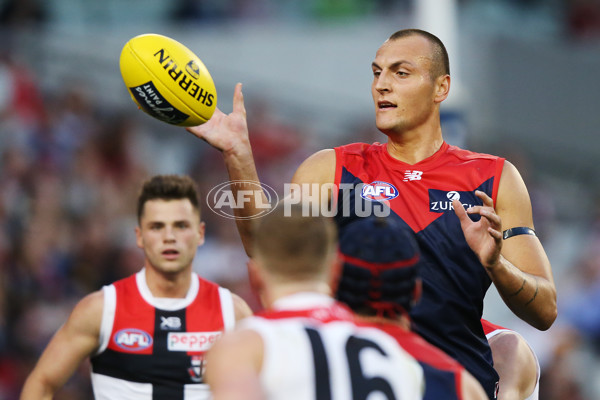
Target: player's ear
pixel 335 272
pixel 201 232
pixel 442 88
pixel 138 237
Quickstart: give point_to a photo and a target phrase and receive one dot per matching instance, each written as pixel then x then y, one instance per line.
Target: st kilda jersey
pixel 314 350
pixel 443 374
pixel 153 348
pixel 420 195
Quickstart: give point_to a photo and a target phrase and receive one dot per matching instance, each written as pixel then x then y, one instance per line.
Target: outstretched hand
pixel 484 236
pixel 225 131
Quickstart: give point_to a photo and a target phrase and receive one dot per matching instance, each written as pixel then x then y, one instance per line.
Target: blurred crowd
pixel 69 176
pixel 577 19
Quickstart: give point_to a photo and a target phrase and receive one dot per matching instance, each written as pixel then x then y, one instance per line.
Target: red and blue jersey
pixel 420 195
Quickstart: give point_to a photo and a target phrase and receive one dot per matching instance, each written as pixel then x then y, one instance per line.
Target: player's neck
pixel 174 286
pixel 402 321
pixel 412 149
pixel 279 291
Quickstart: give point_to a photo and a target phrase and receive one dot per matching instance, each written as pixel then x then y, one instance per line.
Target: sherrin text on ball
pixel 167 80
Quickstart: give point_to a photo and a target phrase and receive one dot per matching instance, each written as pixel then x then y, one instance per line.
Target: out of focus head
pixel 290 247
pixel 380 267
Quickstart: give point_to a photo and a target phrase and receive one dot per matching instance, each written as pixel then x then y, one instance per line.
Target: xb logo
pixel 167 323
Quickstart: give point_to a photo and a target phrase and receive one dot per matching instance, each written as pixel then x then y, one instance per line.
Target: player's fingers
pixel 487 200
pixel 491 216
pixel 496 234
pixel 460 212
pixel 479 209
pixel 238 100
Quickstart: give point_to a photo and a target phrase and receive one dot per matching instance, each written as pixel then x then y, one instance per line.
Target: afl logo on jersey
pixel 379 190
pixel 132 339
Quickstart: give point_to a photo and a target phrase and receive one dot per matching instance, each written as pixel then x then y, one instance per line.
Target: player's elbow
pixel 547 315
pixel 548 318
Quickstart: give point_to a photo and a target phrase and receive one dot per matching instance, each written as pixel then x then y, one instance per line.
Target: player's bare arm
pixel 237 380
pixel 518 265
pixel 229 134
pixel 77 339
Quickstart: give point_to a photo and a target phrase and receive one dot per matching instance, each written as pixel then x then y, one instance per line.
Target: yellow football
pixel 167 80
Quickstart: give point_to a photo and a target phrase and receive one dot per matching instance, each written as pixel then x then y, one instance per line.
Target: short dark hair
pixel 167 187
pixel 291 245
pixel 440 59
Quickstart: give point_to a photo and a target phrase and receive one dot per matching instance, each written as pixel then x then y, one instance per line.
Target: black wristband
pixel 519 230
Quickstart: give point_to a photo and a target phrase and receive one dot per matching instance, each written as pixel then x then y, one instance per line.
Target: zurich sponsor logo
pixel 440 201
pixel 453 195
pixel 132 339
pixel 379 190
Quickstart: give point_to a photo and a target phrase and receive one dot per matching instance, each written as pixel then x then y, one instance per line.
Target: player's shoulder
pixel 317 168
pixel 126 281
pixel 359 148
pixel 92 301
pixel 87 313
pixel 467 155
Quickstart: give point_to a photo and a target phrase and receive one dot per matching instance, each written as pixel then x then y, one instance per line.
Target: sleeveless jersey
pixel 492 330
pixel 420 196
pixel 153 348
pixel 443 379
pixel 313 350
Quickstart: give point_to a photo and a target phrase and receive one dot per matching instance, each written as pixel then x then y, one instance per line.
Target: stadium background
pixel 74 148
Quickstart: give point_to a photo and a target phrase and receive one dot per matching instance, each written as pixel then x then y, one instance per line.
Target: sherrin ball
pixel 167 80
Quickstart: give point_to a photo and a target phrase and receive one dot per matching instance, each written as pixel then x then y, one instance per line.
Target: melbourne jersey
pixel 420 196
pixel 153 348
pixel 314 351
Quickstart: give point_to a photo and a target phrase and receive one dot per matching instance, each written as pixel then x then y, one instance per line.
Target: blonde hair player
pixel 305 345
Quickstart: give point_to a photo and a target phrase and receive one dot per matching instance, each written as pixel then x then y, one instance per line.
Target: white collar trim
pixel 302 301
pixel 166 303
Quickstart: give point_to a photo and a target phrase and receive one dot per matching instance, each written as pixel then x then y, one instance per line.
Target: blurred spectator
pixel 278 147
pixel 338 9
pixel 205 11
pixel 19 13
pixel 583 19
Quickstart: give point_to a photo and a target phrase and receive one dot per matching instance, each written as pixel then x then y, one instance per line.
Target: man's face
pixel 403 89
pixel 169 233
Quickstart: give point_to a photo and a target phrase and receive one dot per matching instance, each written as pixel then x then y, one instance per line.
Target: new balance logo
pixel 412 175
